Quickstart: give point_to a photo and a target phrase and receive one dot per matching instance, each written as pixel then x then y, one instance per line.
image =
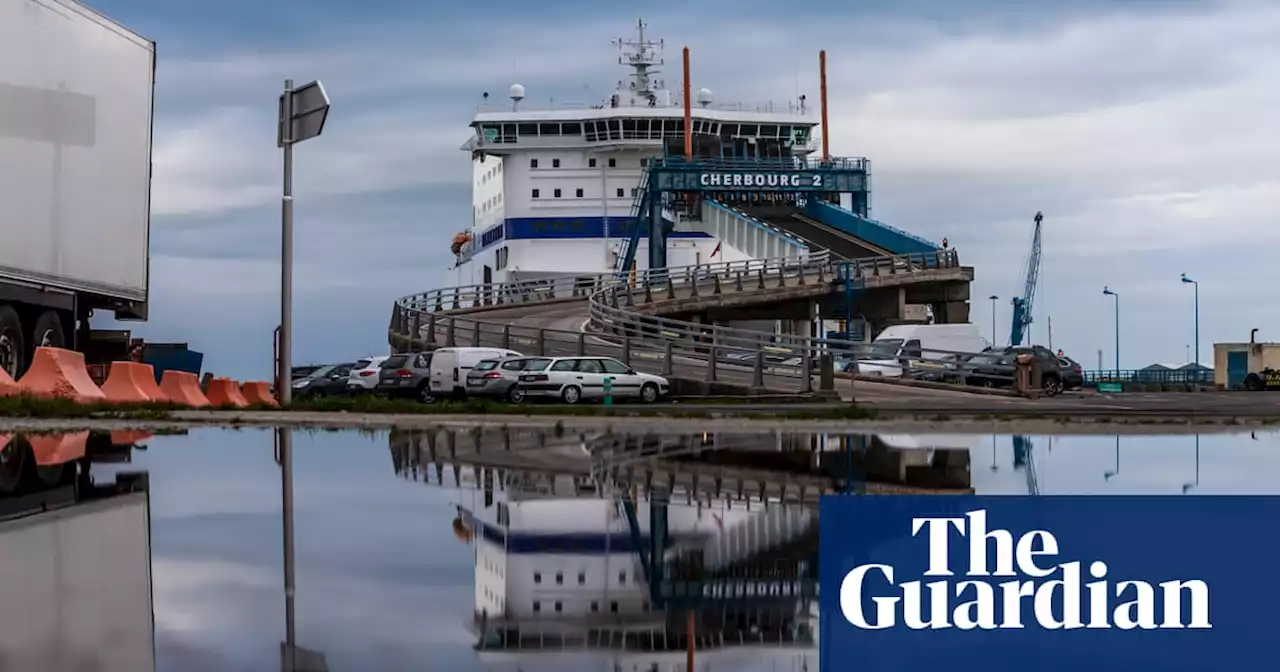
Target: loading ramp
pixel 792 219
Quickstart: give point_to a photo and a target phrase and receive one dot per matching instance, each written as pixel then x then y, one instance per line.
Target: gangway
pixel 729 179
pixel 793 220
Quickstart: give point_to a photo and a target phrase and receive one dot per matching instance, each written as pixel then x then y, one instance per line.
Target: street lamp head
pixel 993 297
pixel 1107 291
pixel 1187 280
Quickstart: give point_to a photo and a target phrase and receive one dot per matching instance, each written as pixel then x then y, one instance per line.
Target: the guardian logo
pixel 1054 595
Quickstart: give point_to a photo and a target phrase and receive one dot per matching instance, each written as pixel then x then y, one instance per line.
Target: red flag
pixel 715 251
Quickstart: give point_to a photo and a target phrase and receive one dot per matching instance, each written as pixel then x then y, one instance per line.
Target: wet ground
pixel 389 575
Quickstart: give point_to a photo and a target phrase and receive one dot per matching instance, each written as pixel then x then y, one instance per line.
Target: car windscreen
pixel 886 348
pixel 363 363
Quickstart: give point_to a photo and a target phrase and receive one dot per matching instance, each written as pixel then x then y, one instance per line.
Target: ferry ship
pixel 555 190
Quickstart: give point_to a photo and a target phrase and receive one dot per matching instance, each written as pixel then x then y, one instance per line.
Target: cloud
pixel 1142 130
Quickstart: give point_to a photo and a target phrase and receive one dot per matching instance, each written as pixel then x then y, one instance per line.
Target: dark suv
pixel 1052 380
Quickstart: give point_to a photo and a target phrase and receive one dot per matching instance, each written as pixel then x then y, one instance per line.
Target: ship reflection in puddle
pixel 642 544
pixel 75 556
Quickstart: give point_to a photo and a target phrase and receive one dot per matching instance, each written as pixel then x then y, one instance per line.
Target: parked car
pixel 325 381
pixel 500 378
pixel 405 375
pixel 363 378
pixel 1072 373
pixel 574 379
pixel 1051 374
pixel 989 369
pixel 450 366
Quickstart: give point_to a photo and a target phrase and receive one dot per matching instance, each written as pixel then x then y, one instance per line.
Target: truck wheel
pixel 47 332
pixel 13 347
pixel 1253 383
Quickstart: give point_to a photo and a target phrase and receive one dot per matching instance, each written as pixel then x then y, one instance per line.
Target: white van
pixel 449 367
pixel 907 341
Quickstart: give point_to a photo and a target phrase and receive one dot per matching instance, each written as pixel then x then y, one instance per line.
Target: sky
pixel 1141 128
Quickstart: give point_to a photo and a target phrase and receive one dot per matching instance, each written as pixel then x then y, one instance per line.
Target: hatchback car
pixel 364 375
pixel 574 379
pixel 500 378
pixel 325 381
pixel 407 374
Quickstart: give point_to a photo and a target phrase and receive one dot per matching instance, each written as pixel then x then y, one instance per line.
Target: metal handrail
pixel 651 342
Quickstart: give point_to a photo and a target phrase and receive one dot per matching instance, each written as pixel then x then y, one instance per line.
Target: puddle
pixel 463 549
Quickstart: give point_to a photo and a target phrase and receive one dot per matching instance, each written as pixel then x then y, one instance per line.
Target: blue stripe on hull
pixel 561 228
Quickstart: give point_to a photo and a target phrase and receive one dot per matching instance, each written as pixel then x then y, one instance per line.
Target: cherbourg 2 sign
pixel 797 179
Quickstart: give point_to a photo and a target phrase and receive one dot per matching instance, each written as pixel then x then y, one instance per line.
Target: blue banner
pixel 1049 584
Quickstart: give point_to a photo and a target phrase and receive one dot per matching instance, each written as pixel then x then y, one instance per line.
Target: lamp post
pixel 1189 281
pixel 1186 487
pixel 993 298
pixel 1109 292
pixel 1114 472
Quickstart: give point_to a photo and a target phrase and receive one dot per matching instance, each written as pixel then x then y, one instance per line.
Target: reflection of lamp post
pixel 1107 291
pixel 1189 281
pixel 993 298
pixel 1116 471
pixel 994 467
pixel 1186 487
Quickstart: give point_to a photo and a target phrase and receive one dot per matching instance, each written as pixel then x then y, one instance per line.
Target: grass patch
pixel 26 406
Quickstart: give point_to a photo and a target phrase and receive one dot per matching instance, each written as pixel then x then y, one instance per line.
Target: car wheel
pixel 571 394
pixel 424 394
pixel 1253 383
pixel 1053 387
pixel 649 393
pixel 516 394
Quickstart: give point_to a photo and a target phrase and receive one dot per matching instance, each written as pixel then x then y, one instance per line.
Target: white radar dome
pixel 704 96
pixel 516 92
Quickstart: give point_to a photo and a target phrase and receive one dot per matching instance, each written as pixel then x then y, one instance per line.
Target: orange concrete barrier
pixel 183 388
pixel 62 374
pixel 54 449
pixel 7 385
pixel 225 392
pixel 128 437
pixel 259 394
pixel 132 382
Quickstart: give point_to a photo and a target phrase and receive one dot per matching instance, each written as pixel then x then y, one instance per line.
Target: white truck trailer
pixel 76 100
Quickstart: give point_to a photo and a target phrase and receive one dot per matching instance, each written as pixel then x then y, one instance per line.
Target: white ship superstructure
pixel 554 189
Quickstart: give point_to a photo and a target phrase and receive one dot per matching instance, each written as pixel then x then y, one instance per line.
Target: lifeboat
pixel 461 531
pixel 460 241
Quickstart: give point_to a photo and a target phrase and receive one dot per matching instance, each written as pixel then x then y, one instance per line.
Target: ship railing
pixel 762 107
pixel 782 163
pixel 624 322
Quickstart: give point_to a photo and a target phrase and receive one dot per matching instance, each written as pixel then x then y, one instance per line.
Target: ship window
pixel 582 578
pixel 557 193
pixel 629 128
pixel 533 163
pixel 559 607
pixel 749 130
pixel 535 193
pixel 622 578
pixel 622 192
pixel 509 132
pixel 595 606
pixel 559 578
pixel 591 163
pixel 634 191
pixel 571 129
pixel 537 606
pixel 613 606
pixel 555 163
pixel 548 129
pixel 769 131
pixel 728 130
pixel 528 129
pixel 613 163
pixel 615 129
pixel 578 193
pixel 537 577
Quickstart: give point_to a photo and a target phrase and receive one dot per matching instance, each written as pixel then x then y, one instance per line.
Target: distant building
pixel 1233 361
pixel 1172 372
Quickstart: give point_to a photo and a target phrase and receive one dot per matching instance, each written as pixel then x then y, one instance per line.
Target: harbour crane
pixel 1025 460
pixel 1022 304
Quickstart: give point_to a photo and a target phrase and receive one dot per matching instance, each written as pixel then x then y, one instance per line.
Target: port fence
pixel 623 322
pixel 1149 377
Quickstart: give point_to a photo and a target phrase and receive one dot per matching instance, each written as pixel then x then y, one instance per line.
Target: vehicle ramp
pixel 815 234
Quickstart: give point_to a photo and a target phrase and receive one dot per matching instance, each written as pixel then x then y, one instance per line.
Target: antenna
pixel 642 56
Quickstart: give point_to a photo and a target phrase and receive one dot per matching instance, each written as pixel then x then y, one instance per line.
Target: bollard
pixel 608 390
